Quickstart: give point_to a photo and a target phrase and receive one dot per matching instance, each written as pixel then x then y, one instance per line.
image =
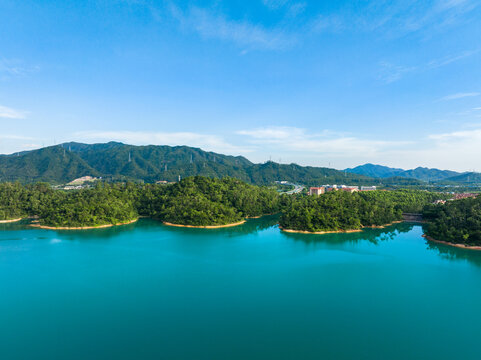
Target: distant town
pixel 327 188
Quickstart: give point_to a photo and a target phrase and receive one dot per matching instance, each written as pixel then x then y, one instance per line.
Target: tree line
pixel 456 222
pixel 193 201
pixel 203 201
pixel 340 210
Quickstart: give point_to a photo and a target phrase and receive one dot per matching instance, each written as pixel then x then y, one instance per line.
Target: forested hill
pixel 420 173
pixel 65 162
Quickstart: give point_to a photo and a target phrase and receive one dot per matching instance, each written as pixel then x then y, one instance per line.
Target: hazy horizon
pixel 331 84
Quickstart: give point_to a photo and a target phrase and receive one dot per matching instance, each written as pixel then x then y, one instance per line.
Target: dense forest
pixel 196 201
pixel 339 210
pixel 456 222
pixel 203 201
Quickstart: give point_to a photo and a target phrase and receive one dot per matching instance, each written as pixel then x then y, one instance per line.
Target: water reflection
pixel 373 236
pixel 452 253
pixel 14 226
pixel 145 225
pixel 24 226
pixel 249 227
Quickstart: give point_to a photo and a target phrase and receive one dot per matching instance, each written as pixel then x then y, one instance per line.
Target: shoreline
pixel 204 227
pixel 81 227
pixel 460 246
pixel 384 226
pixel 260 216
pixel 319 232
pixel 10 221
pixel 340 231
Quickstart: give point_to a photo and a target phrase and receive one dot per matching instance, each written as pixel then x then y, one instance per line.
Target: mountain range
pixel 117 161
pixel 66 162
pixel 420 173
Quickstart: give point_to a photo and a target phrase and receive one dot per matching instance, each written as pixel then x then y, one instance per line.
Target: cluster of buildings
pixel 457 197
pixel 327 188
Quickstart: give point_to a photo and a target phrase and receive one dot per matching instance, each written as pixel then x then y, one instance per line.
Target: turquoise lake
pixel 147 291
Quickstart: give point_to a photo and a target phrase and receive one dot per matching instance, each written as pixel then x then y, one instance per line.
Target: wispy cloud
pixel 9 113
pixel 204 141
pixel 14 68
pixel 395 19
pixel 275 4
pixel 214 25
pixel 390 19
pixel 389 72
pixel 459 96
pixel 292 8
pixel 450 59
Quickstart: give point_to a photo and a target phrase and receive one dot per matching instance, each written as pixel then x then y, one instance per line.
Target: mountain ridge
pixel 419 173
pixel 63 163
pixel 113 160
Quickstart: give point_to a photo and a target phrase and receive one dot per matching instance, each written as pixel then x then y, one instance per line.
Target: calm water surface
pixel 146 291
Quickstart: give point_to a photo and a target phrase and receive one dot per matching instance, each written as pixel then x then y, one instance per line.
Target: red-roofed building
pixel 317 190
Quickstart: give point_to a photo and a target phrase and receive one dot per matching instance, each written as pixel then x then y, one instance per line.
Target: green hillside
pixel 113 160
pixel 51 164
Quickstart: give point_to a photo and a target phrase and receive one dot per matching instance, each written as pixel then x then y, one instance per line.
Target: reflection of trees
pixel 250 226
pixel 14 226
pixel 452 253
pixel 372 235
pixel 149 225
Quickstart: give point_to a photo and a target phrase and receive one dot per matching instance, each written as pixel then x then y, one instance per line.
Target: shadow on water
pixel 374 235
pixel 452 253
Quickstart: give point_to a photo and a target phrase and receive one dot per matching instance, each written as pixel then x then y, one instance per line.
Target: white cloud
pixel 465 135
pixel 9 113
pixel 459 96
pixel 204 141
pixel 324 142
pixel 457 150
pixel 272 133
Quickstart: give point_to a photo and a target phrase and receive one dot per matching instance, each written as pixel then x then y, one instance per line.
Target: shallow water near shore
pixel 149 291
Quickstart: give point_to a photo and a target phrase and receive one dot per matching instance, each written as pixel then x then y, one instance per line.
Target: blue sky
pixel 321 83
